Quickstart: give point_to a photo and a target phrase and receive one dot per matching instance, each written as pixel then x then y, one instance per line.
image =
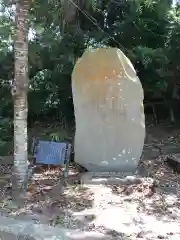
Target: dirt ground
pixel 162 132
pixel 148 210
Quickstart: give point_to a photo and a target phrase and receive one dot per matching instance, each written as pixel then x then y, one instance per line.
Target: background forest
pixel 147 31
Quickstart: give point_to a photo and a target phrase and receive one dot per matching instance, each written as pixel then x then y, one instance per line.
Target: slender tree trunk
pixel 19 93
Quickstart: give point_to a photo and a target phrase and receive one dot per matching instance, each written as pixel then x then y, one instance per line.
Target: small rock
pixel 161 237
pixel 140 235
pixel 37 210
pixel 90 217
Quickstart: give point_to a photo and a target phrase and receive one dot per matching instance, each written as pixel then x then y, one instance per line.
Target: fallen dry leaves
pixel 52 200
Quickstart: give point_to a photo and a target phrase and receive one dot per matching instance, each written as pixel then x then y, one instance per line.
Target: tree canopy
pixel 148 31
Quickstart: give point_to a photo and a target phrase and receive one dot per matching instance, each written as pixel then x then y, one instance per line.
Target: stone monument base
pixel 128 167
pixel 110 178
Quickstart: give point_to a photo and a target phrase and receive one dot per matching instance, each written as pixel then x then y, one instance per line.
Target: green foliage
pixel 56 136
pixel 147 31
pixel 6 129
pixel 6 136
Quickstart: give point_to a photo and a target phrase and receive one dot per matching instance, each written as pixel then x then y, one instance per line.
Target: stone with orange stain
pixel 109 112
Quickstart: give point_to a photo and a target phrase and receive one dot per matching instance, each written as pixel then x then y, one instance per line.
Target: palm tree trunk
pixel 19 93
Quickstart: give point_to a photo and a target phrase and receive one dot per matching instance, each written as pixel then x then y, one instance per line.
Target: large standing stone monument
pixel 109 112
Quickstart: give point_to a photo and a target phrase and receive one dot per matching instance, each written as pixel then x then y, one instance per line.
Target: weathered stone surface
pixel 109 112
pixel 13 229
pixel 10 236
pixel 90 178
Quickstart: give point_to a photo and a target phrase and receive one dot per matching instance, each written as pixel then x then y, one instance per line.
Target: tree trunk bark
pixel 19 92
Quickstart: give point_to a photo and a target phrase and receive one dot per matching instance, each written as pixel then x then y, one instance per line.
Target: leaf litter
pixel 146 210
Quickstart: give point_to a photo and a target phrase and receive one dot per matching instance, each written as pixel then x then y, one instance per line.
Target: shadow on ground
pixel 10 236
pixel 141 210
